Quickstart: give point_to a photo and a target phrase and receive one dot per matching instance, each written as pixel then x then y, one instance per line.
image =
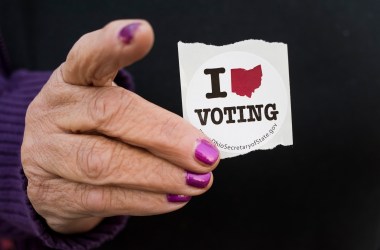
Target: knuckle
pixel 95 200
pixel 101 107
pixel 108 106
pixel 96 159
pixel 104 74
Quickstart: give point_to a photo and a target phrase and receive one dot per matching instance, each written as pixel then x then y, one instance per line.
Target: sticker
pixel 238 95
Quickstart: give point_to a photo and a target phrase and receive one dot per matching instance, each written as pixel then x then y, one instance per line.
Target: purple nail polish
pixel 126 34
pixel 198 180
pixel 206 152
pixel 178 198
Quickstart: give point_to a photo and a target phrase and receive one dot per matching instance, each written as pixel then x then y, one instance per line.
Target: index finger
pixel 121 114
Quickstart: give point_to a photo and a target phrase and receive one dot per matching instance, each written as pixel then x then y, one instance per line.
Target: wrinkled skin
pixel 92 149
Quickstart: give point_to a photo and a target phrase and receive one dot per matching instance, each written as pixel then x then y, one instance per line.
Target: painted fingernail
pixel 178 198
pixel 206 152
pixel 198 180
pixel 126 34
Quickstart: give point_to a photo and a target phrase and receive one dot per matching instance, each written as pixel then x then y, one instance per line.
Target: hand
pixel 92 149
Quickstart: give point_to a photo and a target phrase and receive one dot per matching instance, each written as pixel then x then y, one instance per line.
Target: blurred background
pixel 321 193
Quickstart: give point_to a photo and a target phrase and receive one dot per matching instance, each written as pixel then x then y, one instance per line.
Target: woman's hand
pixel 92 149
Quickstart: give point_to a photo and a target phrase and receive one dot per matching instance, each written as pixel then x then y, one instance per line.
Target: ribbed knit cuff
pixel 18 219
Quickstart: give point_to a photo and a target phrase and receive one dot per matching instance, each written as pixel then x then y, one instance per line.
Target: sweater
pixel 20 225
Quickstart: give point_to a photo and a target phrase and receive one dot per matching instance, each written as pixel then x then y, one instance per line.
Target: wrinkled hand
pixel 92 149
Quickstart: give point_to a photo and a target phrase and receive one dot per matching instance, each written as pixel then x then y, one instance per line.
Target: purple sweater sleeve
pixel 18 219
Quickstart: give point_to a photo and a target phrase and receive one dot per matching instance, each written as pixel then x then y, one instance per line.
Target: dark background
pixel 321 193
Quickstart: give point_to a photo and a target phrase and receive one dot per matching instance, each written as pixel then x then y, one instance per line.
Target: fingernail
pixel 198 180
pixel 178 198
pixel 206 152
pixel 126 34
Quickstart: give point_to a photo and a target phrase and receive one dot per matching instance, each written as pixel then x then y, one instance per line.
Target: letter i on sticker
pixel 237 94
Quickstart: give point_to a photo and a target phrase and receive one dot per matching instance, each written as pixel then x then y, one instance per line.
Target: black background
pixel 321 193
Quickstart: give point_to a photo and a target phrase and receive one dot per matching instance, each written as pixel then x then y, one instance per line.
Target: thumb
pixel 97 56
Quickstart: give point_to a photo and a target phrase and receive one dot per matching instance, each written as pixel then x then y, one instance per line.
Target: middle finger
pixel 97 160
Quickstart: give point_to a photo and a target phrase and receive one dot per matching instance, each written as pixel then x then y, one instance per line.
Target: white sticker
pixel 238 94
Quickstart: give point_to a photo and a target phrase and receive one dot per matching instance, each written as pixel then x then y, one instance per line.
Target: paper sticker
pixel 238 94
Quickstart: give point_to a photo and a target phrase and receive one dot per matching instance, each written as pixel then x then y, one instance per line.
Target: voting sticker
pixel 238 95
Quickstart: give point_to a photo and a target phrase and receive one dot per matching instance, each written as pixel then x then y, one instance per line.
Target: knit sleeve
pixel 18 219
